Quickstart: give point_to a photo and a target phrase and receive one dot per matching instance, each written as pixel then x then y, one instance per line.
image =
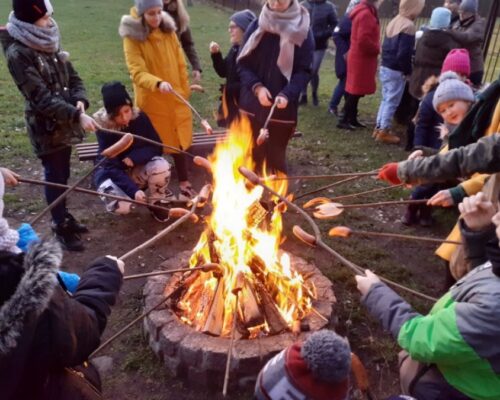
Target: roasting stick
pixel 349 196
pixel 112 151
pixel 264 132
pixel 203 121
pixel 240 282
pixel 204 268
pixel 134 251
pixel 344 231
pixel 315 177
pixel 329 186
pixel 316 240
pixel 94 193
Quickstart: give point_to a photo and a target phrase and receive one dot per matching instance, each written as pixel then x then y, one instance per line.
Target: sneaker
pixel 65 234
pixel 385 137
pixel 346 126
pixel 160 214
pixel 315 99
pixel 334 111
pixel 76 226
pixel 303 100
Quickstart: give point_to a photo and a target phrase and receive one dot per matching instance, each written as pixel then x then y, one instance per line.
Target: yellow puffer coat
pixel 153 56
pixel 471 187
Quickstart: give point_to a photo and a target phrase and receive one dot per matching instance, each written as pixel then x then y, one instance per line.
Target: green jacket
pixel 482 157
pixel 461 333
pixel 51 88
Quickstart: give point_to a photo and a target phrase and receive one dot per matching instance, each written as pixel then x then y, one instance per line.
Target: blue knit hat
pixel 144 5
pixel 470 6
pixel 440 18
pixel 243 18
pixel 451 87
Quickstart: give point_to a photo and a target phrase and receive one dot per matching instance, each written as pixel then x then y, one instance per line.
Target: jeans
pixel 338 92
pixel 316 64
pixel 57 170
pixel 393 85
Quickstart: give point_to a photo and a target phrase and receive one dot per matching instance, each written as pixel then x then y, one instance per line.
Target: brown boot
pixel 385 137
pixel 375 132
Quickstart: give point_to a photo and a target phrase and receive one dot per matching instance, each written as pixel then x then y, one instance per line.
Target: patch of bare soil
pixel 137 374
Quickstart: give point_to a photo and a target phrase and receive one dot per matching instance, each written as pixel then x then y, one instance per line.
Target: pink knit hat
pixel 458 61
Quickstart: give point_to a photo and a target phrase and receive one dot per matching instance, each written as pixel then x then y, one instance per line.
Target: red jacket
pixel 365 48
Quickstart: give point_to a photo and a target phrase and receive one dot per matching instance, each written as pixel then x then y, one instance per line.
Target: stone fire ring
pixel 200 358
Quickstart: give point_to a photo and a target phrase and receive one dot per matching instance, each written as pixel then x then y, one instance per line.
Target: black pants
pixel 477 78
pixel 181 165
pixel 412 108
pixel 57 169
pixel 272 153
pixel 351 108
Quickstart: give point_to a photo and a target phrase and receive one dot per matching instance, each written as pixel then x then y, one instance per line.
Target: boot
pixel 160 215
pixel 357 124
pixel 76 226
pixel 67 237
pixel 315 99
pixel 426 219
pixel 375 132
pixel 411 215
pixel 385 137
pixel 303 99
pixel 345 125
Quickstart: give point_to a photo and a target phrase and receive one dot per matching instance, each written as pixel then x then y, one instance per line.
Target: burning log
pixel 274 320
pixel 215 317
pixel 250 310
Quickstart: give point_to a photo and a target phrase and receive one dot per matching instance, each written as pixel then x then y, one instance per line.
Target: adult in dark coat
pixel 55 101
pixel 274 66
pixel 177 10
pixel 226 67
pixel 323 21
pixel 453 6
pixel 47 335
pixel 469 32
pixel 361 60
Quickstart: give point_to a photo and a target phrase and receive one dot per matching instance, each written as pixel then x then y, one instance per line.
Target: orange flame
pixel 240 231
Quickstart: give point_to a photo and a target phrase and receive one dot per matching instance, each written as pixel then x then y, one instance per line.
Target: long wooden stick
pixel 314 177
pixel 384 203
pixel 317 239
pixel 403 237
pixel 162 233
pixel 230 348
pixel 338 183
pixel 187 103
pixel 205 268
pixel 349 196
pixel 95 193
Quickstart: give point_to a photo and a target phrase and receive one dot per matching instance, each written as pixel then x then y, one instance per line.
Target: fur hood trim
pixel 103 118
pixel 131 26
pixel 430 84
pixel 33 292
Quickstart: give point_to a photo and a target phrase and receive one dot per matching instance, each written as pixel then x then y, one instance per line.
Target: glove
pixel 389 173
pixel 70 281
pixel 27 235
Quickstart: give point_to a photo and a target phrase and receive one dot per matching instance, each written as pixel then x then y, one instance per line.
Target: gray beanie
pixel 144 5
pixel 470 6
pixel 451 87
pixel 243 18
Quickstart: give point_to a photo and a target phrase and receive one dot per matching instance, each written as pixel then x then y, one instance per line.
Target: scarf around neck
pixel 35 37
pixel 292 26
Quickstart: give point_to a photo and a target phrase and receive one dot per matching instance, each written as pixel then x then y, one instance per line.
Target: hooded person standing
pixel 177 10
pixel 55 102
pixel 397 54
pixel 453 6
pixel 226 67
pixel 361 61
pixel 157 66
pixel 469 32
pixel 274 67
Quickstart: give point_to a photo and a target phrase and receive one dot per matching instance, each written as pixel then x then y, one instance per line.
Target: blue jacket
pixel 259 67
pixel 397 52
pixel 427 126
pixel 342 40
pixel 140 152
pixel 323 21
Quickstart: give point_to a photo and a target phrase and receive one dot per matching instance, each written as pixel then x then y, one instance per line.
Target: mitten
pixel 389 173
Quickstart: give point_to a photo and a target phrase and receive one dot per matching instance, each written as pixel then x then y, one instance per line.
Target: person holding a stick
pixel 55 102
pixel 453 352
pixel 141 166
pixel 274 65
pixel 158 69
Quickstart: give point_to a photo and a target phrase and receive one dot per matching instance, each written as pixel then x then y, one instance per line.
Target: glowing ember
pixel 243 236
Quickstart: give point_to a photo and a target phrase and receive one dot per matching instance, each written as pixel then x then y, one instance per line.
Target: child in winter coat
pixel 274 67
pixel 453 352
pixel 138 168
pixel 427 138
pixel 226 67
pixel 55 102
pixel 157 66
pixel 397 53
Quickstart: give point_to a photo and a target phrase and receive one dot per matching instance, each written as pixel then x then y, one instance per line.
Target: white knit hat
pixel 8 237
pixel 451 87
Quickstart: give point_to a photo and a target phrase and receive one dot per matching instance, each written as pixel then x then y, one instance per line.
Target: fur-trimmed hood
pixel 33 292
pixel 132 26
pixel 104 120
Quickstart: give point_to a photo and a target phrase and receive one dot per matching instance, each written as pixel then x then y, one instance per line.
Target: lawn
pixel 89 32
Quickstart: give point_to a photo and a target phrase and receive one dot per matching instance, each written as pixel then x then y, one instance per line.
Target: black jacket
pixel 323 21
pixel 45 333
pixel 226 68
pixel 51 88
